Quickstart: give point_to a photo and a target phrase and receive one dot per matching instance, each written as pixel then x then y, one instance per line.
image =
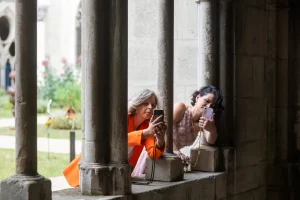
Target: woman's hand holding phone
pixel 156 127
pixel 207 121
pixel 161 129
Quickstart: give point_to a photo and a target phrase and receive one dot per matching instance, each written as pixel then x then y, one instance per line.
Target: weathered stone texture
pixel 251 37
pixel 252 120
pixel 258 71
pixel 221 187
pixel 244 73
pixel 184 61
pixel 256 194
pixel 282 33
pixel 282 75
pixel 186 26
pixel 25 188
pixel 197 185
pixel 251 153
pixel 167 168
pixel 247 178
pixel 205 159
pixel 105 179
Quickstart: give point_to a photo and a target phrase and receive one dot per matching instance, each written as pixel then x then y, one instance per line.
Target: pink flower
pixel 45 63
pixel 78 60
pixel 64 61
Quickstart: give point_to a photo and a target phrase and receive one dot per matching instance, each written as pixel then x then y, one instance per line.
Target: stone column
pixel 118 31
pixel 169 167
pixel 83 69
pixel 207 72
pixel 165 79
pixel 226 72
pixel 26 183
pixel 207 42
pixel 104 168
pixel 82 63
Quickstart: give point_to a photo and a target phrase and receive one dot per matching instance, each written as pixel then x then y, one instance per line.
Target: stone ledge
pixel 196 185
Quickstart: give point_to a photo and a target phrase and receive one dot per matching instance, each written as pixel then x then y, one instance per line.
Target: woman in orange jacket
pixel 141 130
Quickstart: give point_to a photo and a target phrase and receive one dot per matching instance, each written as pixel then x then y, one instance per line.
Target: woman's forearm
pixel 160 143
pixel 211 136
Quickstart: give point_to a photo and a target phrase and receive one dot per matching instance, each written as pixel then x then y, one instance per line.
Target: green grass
pixel 42 132
pixel 47 167
pixel 5 113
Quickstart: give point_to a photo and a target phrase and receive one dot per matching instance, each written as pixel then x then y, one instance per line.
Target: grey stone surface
pixel 245 181
pixel 25 188
pixel 143 51
pixel 165 80
pixel 251 153
pixel 118 52
pixel 251 37
pixel 207 43
pixel 220 187
pixel 226 69
pixel 105 27
pixel 26 88
pixel 105 179
pixel 167 168
pixel 207 71
pixel 205 159
pixel 196 185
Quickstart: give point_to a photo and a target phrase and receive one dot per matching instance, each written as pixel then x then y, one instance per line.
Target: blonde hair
pixel 138 99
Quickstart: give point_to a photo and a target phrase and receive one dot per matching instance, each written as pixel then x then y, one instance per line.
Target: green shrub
pixel 61 98
pixel 2 92
pixel 5 103
pixel 61 122
pixel 57 88
pixel 47 88
pixel 41 106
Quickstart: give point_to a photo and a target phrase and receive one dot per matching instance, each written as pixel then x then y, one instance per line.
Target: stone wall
pixel 142 55
pixel 255 67
pixel 255 47
pixel 283 167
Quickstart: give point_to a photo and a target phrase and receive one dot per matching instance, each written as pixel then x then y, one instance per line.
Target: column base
pixel 167 168
pixel 25 188
pixel 204 159
pixel 112 179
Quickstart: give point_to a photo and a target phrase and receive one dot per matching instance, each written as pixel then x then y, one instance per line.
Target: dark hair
pixel 218 108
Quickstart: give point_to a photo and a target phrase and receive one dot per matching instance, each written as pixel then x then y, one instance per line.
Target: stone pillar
pixel 226 70
pixel 166 64
pixel 169 167
pixel 207 42
pixel 83 72
pixel 82 63
pixel 26 183
pixel 104 168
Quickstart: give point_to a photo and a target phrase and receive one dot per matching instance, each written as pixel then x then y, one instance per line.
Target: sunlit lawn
pixel 5 113
pixel 47 167
pixel 42 132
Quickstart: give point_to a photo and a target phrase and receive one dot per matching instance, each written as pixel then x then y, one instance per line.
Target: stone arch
pixel 7 25
pixel 4 28
pixel 7 38
pixel 12 49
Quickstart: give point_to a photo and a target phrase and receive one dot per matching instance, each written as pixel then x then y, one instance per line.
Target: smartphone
pixel 157 113
pixel 207 113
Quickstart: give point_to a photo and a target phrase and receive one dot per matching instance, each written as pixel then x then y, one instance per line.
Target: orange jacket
pixel 71 172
